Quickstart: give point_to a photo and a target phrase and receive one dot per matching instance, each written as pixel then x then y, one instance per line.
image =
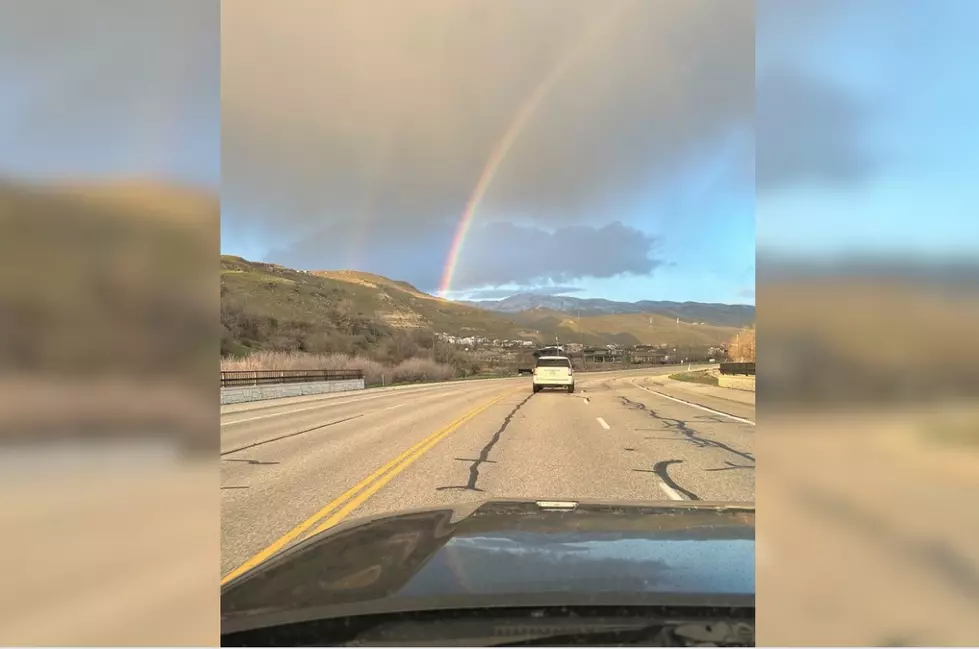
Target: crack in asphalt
pixel 287 435
pixel 732 465
pixel 254 462
pixel 484 453
pixel 681 427
pixel 661 469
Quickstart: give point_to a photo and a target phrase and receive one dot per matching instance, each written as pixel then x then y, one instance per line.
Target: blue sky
pixel 92 94
pixel 910 70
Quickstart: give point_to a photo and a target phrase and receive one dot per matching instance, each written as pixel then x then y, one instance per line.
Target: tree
pixel 741 348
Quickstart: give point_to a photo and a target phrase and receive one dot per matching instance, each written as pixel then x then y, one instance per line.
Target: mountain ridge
pixel 731 315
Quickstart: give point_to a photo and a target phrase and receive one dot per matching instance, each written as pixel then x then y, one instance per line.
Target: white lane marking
pixel 670 491
pixel 602 422
pixel 290 412
pixel 696 405
pixel 323 405
pixel 586 400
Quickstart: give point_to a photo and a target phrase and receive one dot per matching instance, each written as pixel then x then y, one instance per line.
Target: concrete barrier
pixel 278 391
pixel 736 382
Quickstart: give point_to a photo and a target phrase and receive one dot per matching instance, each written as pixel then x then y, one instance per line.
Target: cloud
pixel 495 255
pixel 566 254
pixel 809 131
pixel 810 128
pixel 333 116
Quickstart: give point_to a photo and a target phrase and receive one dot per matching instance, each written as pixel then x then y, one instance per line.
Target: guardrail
pixel 747 369
pixel 244 378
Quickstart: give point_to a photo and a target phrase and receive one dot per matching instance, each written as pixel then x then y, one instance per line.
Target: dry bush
pixel 375 373
pixel 416 370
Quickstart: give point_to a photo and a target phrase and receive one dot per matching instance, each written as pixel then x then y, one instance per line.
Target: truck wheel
pixel 571 389
pixel 536 389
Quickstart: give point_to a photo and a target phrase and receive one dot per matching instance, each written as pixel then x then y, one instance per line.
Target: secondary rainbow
pixel 501 149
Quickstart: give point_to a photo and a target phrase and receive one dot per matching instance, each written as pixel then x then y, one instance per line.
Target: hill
pixel 728 315
pixel 270 307
pixel 267 306
pixel 108 311
pixel 627 328
pixel 107 276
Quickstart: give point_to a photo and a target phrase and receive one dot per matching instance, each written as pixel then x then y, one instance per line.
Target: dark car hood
pixel 505 553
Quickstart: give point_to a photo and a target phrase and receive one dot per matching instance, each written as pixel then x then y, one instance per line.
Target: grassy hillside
pixel 658 329
pixel 265 306
pixel 625 328
pixel 106 277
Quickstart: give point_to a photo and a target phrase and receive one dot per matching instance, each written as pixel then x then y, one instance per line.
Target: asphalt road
pixel 291 468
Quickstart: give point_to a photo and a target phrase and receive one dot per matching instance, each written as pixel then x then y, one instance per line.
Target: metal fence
pixel 240 378
pixel 738 368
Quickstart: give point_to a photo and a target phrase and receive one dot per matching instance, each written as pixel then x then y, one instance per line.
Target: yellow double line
pixel 338 509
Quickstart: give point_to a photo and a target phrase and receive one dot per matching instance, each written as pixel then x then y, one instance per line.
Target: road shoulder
pixel 669 386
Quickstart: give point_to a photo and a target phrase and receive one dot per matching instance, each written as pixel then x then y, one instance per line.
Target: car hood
pixel 505 553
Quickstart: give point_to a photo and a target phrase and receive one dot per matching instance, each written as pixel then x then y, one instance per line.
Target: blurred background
pixel 109 179
pixel 867 155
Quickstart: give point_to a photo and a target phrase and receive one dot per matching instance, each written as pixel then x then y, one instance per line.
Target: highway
pixel 292 467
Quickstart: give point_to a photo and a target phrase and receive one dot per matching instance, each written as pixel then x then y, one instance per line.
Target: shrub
pixel 375 373
pixel 415 370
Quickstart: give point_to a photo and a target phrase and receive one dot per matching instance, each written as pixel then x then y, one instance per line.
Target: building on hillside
pixel 602 355
pixel 647 354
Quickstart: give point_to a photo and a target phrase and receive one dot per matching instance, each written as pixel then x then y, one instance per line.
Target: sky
pixel 95 89
pixel 876 105
pixel 609 145
pixel 628 151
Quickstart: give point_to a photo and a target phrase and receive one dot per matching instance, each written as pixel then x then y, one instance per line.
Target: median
pixel 704 377
pixel 722 377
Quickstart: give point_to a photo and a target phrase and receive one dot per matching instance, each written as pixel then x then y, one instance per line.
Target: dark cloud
pixel 564 255
pixel 809 131
pixel 496 254
pixel 809 128
pixel 331 115
pixel 401 253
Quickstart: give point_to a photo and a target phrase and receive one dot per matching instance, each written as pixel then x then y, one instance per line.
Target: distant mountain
pixel 728 315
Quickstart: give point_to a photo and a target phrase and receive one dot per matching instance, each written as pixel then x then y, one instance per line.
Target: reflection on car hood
pixel 505 552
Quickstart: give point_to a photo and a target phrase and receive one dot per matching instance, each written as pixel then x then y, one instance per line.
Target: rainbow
pixel 501 149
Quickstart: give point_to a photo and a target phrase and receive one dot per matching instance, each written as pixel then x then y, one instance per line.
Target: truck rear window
pixel 553 362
